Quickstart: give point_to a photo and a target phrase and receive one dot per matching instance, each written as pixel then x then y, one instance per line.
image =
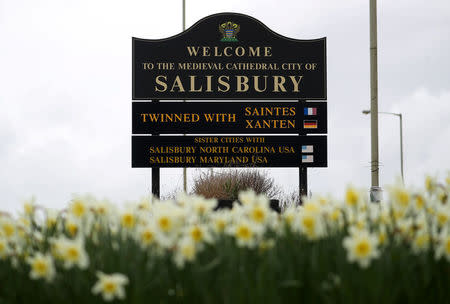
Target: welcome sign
pixel 229 56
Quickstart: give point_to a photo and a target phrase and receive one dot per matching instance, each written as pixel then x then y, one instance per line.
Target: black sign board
pixel 229 56
pixel 229 151
pixel 232 118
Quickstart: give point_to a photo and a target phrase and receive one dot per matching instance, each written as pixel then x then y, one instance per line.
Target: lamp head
pixel 366 112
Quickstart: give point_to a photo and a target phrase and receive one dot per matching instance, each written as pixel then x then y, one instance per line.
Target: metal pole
pixel 401 147
pixel 375 190
pixel 156 182
pixel 184 15
pixel 303 176
pixel 184 169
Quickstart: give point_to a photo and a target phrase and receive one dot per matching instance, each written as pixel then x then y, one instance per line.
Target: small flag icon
pixel 310 111
pixel 310 124
pixel 307 158
pixel 307 149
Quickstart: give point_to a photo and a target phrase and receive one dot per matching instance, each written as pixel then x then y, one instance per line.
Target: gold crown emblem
pixel 229 31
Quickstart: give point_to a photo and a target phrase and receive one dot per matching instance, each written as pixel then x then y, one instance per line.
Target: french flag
pixel 310 111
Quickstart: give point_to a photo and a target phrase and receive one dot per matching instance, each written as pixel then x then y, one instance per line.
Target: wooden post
pixel 155 172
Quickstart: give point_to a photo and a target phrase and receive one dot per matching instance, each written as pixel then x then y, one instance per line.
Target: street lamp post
pixel 375 190
pixel 399 115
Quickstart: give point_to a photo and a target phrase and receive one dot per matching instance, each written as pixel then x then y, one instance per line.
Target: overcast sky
pixel 65 93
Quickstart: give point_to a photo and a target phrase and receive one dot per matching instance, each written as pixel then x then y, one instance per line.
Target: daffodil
pixel 247 197
pixel 72 225
pixel 145 203
pixel 5 249
pixel 168 217
pixel 421 242
pixel 110 286
pixel 42 267
pixel 335 215
pixel 419 202
pixel 323 200
pixel 102 208
pixel 442 215
pixel 165 222
pixel 382 235
pixel 402 197
pixel 311 206
pixel 443 247
pixel 245 232
pixel 146 235
pixel 185 252
pixel 354 198
pixel 128 219
pixel 220 220
pixel 258 213
pixel 405 227
pixel 71 252
pixel 29 206
pixel 199 233
pixel 290 216
pixel 311 224
pixel 7 227
pixel 79 207
pixel 23 225
pixel 442 196
pixel 183 199
pixel 361 247
pixel 51 219
pixel 202 206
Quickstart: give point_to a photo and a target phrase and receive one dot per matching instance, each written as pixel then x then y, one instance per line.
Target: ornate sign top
pixel 229 56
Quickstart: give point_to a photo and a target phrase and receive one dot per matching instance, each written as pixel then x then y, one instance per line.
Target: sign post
pixel 303 170
pixel 249 79
pixel 156 183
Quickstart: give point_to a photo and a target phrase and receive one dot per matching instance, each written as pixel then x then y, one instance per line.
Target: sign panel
pixel 229 56
pixel 232 118
pixel 229 151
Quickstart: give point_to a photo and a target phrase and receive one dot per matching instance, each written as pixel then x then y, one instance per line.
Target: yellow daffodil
pixel 443 247
pixel 421 242
pixel 128 219
pixel 147 235
pixel 78 207
pixel 72 226
pixel 71 252
pixel 42 267
pixel 361 247
pixel 185 252
pixel 7 227
pixel 5 249
pixel 245 232
pixel 110 286
pixel 29 206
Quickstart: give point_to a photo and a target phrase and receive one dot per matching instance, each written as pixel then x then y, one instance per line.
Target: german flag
pixel 310 124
